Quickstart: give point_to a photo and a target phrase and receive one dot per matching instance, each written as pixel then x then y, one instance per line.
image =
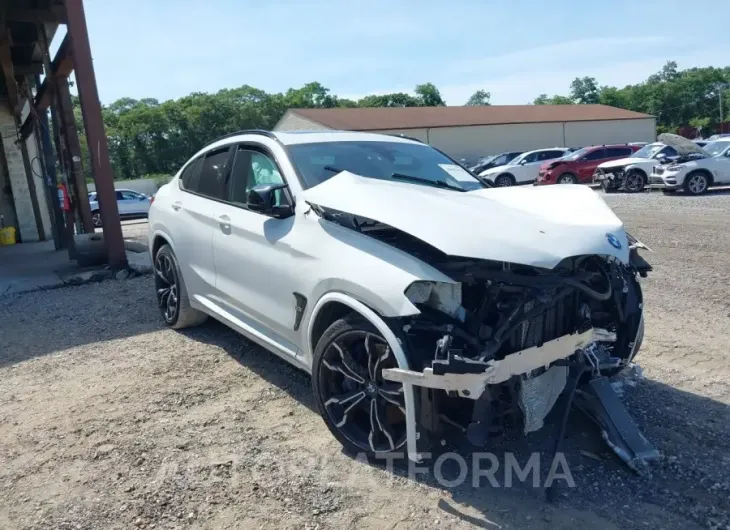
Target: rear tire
pixel 96 219
pixel 504 181
pixel 362 410
pixel 172 295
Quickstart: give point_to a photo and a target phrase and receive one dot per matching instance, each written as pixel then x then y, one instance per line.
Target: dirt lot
pixel 109 420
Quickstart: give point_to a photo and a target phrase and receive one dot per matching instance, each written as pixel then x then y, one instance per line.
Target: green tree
pixel 584 90
pixel 479 98
pixel 543 99
pixel 429 95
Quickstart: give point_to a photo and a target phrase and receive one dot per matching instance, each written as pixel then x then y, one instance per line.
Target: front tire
pixel 567 178
pixel 172 296
pixel 696 183
pixel 362 410
pixel 504 181
pixel 634 181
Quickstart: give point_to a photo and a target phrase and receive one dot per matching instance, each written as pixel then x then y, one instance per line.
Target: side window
pixel 213 174
pixel 251 169
pixel 550 155
pixel 669 151
pixel 598 154
pixel 189 176
pixel 120 197
pixel 615 152
pixel 130 196
pixel 533 158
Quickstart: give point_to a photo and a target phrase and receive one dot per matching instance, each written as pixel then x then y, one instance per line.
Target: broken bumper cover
pixel 472 385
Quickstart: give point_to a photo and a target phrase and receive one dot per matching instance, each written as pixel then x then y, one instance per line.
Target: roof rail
pixel 406 137
pixel 262 132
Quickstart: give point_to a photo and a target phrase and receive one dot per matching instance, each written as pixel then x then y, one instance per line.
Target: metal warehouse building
pixel 470 132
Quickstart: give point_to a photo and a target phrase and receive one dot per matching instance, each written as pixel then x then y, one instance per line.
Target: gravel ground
pixel 109 420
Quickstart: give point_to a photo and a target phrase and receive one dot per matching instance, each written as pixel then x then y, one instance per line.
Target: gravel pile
pixel 109 420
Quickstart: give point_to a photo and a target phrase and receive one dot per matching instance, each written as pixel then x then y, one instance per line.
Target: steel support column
pixel 95 133
pixel 71 135
pixel 49 174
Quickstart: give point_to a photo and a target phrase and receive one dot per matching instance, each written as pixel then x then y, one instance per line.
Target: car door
pixel 134 203
pixel 195 208
pixel 722 167
pixel 528 166
pixel 254 262
pixel 122 205
pixel 587 164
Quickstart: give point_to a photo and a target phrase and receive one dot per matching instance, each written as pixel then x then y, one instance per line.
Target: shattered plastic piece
pixel 539 394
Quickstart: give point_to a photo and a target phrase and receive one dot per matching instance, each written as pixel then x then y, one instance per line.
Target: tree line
pixel 151 138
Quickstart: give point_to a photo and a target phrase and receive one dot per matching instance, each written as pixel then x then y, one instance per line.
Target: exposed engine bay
pixel 513 338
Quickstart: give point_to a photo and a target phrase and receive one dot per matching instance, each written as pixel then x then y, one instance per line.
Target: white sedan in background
pixel 131 205
pixel 524 168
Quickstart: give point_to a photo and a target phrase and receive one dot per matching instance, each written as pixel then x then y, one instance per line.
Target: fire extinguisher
pixel 63 197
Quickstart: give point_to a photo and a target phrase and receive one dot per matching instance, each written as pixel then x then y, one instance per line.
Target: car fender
pixel 395 346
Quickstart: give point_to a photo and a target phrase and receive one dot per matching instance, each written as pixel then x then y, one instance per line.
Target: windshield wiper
pixel 333 169
pixel 438 183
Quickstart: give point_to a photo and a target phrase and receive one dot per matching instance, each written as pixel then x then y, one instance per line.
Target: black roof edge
pixel 262 132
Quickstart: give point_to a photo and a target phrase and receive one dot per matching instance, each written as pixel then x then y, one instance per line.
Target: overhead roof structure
pixel 383 118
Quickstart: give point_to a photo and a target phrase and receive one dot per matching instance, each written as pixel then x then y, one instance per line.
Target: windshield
pixel 648 151
pixel 396 161
pixel 716 148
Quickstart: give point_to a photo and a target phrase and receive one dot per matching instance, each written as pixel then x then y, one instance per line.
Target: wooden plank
pixel 51 15
pixel 6 63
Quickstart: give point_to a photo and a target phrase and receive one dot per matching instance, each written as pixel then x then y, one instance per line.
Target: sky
pixel 517 50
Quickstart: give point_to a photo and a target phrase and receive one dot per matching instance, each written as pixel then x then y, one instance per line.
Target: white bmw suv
pixel 409 290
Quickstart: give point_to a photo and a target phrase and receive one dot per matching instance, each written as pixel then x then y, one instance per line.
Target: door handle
pixel 176 205
pixel 224 222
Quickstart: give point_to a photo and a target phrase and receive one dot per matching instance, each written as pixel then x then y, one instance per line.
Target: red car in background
pixel 578 167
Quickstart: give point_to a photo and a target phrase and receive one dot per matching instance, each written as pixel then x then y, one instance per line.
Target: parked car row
pixel 556 165
pixel 674 163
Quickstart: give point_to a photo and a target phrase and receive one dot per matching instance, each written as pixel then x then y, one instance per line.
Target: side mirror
pixel 262 199
pixel 142 198
pixel 523 161
pixel 661 156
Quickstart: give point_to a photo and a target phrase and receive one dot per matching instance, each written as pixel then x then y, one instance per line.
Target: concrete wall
pixel 16 176
pixel 476 141
pixel 610 132
pixel 146 186
pixel 293 122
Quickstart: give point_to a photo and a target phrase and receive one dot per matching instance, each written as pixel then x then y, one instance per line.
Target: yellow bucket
pixel 7 236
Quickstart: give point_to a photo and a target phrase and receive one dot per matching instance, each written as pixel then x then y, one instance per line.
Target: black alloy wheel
pixel 365 412
pixel 166 286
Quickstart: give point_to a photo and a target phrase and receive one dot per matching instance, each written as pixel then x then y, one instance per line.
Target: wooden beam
pixel 28 69
pixel 6 63
pixel 61 68
pixel 52 15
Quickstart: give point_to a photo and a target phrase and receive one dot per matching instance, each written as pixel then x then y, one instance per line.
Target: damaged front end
pixel 510 339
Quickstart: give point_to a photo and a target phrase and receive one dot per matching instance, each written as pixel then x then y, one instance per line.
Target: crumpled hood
pixel 682 145
pixel 538 226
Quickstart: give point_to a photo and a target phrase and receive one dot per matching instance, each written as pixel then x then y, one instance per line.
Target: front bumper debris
pixel 459 375
pixel 565 360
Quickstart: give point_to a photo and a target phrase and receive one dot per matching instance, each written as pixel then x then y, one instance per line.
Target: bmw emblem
pixel 613 241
